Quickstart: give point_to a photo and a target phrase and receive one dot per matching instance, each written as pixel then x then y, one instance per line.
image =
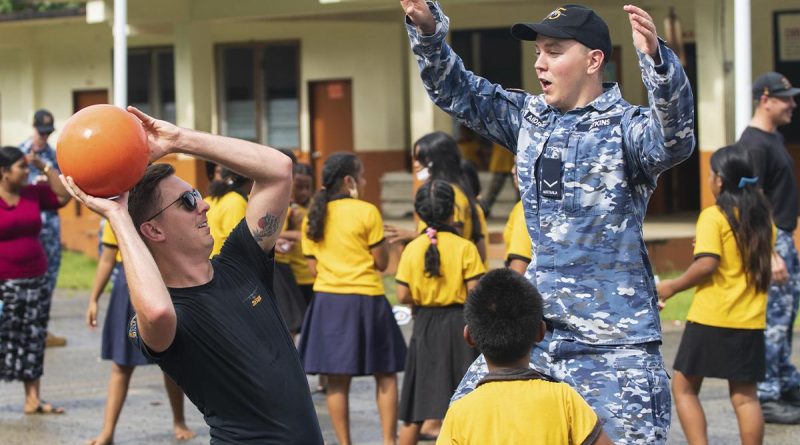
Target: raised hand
pixel 420 14
pixel 162 136
pixel 645 36
pixel 101 206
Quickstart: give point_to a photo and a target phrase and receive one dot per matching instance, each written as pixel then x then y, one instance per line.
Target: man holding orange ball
pixel 212 325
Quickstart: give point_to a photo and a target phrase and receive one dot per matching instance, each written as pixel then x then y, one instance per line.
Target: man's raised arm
pixel 270 170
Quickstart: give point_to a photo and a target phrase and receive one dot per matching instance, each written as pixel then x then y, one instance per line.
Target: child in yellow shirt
pixel 349 329
pixel 724 334
pixel 514 404
pixel 435 272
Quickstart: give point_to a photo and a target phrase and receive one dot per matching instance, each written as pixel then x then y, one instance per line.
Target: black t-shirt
pixel 233 355
pixel 774 167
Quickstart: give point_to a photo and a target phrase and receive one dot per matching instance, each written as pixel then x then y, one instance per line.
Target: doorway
pixel 331 111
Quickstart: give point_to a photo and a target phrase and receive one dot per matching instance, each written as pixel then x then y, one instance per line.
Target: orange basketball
pixel 104 149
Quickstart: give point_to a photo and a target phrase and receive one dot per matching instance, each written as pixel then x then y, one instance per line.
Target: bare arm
pixel 471 284
pixel 104 268
pixel 603 439
pixel 312 266
pixel 404 294
pixel 381 256
pixel 699 271
pixel 155 313
pixel 518 265
pixel 270 170
pixel 779 273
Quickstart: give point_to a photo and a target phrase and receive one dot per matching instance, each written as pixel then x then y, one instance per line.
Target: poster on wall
pixel 788 34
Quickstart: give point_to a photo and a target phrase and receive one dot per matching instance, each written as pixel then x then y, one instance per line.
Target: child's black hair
pixel 335 169
pixel 503 314
pixel 302 168
pixel 434 205
pixel 230 182
pixel 748 212
pixel 439 153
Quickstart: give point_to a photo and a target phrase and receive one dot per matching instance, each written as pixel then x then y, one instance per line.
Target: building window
pixel 259 93
pixel 151 81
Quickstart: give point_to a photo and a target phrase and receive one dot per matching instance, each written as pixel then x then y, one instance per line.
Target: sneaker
pixel 776 411
pixel 792 397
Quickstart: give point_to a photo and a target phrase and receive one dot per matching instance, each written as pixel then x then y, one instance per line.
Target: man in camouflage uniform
pixel 779 393
pixel 587 163
pixel 50 236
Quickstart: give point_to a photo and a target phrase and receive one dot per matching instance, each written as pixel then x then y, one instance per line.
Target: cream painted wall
pixel 367 53
pixel 49 64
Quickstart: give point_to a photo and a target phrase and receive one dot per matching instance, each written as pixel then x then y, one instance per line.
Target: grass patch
pixel 390 287
pixel 77 271
pixel 678 306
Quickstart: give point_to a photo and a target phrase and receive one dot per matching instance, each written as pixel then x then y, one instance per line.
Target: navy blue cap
pixel 570 22
pixel 773 84
pixel 43 121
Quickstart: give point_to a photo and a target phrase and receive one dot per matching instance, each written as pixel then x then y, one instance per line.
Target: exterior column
pixel 715 90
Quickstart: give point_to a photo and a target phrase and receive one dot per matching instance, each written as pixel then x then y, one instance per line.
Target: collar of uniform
pixel 602 102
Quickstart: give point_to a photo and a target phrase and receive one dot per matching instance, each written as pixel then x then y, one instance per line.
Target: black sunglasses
pixel 188 200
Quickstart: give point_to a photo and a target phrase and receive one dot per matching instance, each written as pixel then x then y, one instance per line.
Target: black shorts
pixel 725 353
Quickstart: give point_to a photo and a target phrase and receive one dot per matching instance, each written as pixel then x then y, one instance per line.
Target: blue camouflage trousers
pixel 782 302
pixel 626 385
pixel 50 237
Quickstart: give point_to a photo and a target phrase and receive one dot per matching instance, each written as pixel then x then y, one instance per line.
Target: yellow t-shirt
pixel 502 160
pixel 725 300
pixel 470 150
pixel 298 263
pixel 223 216
pixel 516 236
pixel 519 412
pixel 459 262
pixel 109 239
pixel 283 257
pixel 345 264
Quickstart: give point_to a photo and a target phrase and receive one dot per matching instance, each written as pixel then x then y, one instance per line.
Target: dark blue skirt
pixel 352 335
pixel 116 345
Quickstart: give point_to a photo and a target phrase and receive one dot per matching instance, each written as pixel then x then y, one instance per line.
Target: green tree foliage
pixel 12 6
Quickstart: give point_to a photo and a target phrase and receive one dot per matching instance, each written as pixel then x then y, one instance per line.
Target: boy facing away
pixel 514 403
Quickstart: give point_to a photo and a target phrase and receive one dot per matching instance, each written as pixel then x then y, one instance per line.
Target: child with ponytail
pixel 349 329
pixel 724 335
pixel 437 356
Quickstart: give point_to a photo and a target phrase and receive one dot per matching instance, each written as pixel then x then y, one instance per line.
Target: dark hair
pixel 470 177
pixel 439 152
pixel 335 169
pixel 302 168
pixel 145 197
pixel 747 211
pixel 434 205
pixel 9 155
pixel 289 153
pixel 230 182
pixel 504 313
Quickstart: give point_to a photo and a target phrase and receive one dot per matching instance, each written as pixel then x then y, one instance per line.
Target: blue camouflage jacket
pixel 589 260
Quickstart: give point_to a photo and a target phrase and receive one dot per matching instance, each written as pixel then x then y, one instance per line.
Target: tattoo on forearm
pixel 268 225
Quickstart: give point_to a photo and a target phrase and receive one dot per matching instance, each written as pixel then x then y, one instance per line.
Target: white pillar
pixel 120 53
pixel 743 64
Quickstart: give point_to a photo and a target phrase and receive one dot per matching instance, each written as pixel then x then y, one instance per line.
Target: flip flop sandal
pixel 46 408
